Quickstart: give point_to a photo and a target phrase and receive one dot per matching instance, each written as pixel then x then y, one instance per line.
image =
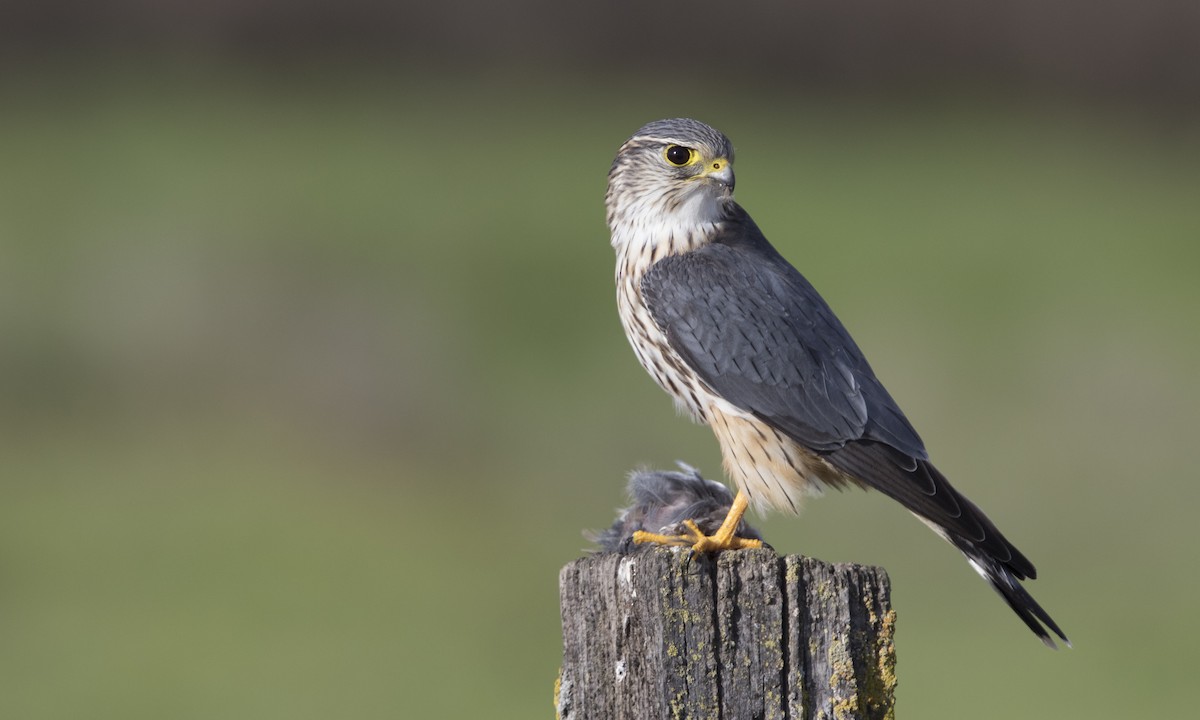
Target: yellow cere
pixel 717 165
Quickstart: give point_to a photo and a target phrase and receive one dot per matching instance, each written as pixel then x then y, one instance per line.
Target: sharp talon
pixel 641 536
pixel 695 538
pixel 725 538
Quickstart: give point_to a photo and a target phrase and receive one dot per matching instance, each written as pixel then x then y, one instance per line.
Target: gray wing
pixel 757 333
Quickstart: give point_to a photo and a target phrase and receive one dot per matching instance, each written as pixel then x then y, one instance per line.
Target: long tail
pixel 921 488
pixel 1018 598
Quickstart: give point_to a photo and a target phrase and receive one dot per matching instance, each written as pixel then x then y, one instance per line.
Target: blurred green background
pixel 310 371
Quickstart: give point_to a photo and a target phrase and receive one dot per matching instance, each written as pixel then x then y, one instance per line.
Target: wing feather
pixel 758 333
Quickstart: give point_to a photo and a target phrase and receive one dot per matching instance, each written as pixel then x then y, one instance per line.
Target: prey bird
pixel 745 344
pixel 662 501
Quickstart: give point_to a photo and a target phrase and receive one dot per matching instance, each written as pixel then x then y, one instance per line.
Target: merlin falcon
pixel 745 344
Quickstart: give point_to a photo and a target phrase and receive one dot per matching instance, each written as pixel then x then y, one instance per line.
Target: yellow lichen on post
pixel 557 694
pixel 880 686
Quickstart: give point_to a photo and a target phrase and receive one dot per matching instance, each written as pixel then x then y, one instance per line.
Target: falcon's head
pixel 672 175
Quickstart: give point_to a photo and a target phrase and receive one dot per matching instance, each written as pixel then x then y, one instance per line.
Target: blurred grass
pixel 310 379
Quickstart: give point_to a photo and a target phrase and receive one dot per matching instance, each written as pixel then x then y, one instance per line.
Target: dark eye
pixel 679 155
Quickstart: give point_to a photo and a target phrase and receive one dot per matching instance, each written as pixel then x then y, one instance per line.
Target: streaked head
pixel 680 171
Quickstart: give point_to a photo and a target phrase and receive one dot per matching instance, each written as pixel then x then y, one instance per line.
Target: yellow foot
pixel 698 540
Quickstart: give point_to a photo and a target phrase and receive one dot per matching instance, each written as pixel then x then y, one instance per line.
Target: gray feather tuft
pixel 662 500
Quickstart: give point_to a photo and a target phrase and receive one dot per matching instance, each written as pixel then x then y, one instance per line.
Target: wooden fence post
pixel 665 634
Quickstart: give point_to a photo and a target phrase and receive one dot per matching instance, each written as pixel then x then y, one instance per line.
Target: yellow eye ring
pixel 679 155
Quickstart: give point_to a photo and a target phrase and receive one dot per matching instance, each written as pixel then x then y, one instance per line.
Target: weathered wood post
pixel 665 634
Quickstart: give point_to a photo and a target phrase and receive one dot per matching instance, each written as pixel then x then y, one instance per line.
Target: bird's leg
pixel 726 537
pixel 723 539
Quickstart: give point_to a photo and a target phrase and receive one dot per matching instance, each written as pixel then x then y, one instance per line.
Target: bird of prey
pixel 745 344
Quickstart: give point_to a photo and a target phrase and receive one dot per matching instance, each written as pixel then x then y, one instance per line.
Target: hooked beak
pixel 720 171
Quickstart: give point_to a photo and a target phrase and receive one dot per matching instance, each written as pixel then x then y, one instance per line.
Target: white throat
pixel 657 224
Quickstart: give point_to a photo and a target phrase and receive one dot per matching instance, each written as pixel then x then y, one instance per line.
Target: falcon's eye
pixel 679 155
